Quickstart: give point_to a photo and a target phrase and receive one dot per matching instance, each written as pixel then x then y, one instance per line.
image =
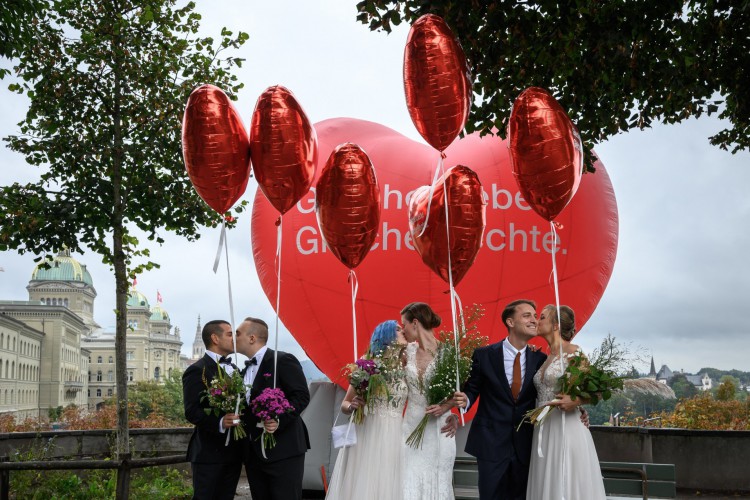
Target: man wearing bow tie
pixel 278 476
pixel 216 467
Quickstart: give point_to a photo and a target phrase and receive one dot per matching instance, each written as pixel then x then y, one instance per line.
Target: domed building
pixel 43 363
pixel 53 353
pixel 153 350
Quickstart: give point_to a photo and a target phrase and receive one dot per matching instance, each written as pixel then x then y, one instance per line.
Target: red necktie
pixel 515 387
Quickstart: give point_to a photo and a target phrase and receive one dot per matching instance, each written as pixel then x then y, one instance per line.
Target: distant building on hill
pixel 702 382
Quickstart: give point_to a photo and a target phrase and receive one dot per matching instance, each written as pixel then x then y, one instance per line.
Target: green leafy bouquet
pixel 223 393
pixel 589 379
pixel 442 385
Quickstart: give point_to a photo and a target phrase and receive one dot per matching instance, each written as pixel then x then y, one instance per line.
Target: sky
pixel 681 281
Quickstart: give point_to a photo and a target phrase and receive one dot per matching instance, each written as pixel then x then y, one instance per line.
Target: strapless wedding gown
pixel 428 471
pixel 563 461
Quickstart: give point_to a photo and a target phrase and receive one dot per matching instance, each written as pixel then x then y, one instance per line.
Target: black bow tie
pixel 248 363
pixel 225 361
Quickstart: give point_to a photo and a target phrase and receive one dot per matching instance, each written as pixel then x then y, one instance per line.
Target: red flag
pixel 135 282
pixel 158 297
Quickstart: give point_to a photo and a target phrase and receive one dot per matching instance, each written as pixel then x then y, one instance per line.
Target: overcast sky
pixel 681 282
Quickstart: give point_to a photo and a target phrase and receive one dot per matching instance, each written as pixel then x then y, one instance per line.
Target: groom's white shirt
pixel 509 356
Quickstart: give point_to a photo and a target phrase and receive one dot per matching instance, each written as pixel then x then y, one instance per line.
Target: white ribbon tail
pixel 540 418
pixel 438 169
pixel 263 444
pixel 355 288
pixel 278 297
pixel 555 249
pixel 236 412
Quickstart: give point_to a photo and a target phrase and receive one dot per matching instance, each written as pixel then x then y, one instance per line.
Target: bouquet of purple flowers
pixel 366 378
pixel 269 405
pixel 226 394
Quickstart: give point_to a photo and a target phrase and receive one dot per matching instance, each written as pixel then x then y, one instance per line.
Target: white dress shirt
pixel 253 370
pixel 509 356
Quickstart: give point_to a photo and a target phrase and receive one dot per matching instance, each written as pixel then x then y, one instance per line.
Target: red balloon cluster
pixel 467 218
pixel 436 81
pixel 283 146
pixel 545 151
pixel 215 148
pixel 512 263
pixel 347 203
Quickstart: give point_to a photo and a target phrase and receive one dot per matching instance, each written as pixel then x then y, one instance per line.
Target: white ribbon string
pixel 236 412
pixel 453 295
pixel 438 170
pixel 355 287
pixel 559 323
pixel 278 296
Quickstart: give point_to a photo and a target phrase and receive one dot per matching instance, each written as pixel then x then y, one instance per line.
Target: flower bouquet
pixel 450 363
pixel 367 379
pixel 269 405
pixel 590 379
pixel 226 394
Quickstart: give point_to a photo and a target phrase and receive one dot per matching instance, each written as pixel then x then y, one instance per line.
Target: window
pixel 98 359
pixel 110 376
pixel 111 359
pixel 130 376
pixel 89 392
pixel 130 356
pixel 98 393
pixel 99 376
pixel 109 392
pixel 157 373
pixel 65 302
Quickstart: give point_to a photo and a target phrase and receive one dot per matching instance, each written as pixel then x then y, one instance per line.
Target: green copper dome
pixel 159 314
pixel 62 268
pixel 137 299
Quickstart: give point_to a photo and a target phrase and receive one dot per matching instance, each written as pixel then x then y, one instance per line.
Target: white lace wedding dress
pixel 563 458
pixel 428 471
pixel 371 469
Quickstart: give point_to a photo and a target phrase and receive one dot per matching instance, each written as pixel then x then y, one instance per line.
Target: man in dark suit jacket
pixel 278 476
pixel 216 467
pixel 501 377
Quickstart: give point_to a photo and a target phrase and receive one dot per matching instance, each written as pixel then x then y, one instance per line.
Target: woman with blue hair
pixel 371 470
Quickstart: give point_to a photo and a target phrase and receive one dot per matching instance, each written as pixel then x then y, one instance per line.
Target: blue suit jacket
pixel 493 434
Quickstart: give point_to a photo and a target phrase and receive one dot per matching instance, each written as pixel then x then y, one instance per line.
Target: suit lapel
pixel 497 361
pixel 529 370
pixel 264 367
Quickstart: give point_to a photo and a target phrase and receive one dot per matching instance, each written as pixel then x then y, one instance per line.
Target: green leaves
pixel 612 65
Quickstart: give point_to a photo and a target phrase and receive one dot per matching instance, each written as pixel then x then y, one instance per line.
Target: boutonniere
pixel 533 348
pixel 267 375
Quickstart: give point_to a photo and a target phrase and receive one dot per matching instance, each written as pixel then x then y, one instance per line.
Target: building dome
pixel 62 268
pixel 158 313
pixel 137 299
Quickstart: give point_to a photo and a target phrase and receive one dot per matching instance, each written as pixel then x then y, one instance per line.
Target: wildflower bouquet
pixel 367 379
pixel 590 379
pixel 449 363
pixel 223 394
pixel 269 405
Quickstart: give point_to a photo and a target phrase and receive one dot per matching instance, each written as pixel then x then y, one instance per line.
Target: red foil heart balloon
pixel 436 81
pixel 215 148
pixel 545 151
pixel 514 261
pixel 466 220
pixel 284 148
pixel 347 203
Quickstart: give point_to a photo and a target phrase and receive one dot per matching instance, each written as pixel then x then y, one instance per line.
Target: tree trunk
pixel 121 274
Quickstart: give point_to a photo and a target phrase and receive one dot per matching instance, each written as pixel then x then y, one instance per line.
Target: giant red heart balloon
pixel 514 262
pixel 347 202
pixel 215 147
pixel 283 147
pixel 545 151
pixel 437 84
pixel 466 219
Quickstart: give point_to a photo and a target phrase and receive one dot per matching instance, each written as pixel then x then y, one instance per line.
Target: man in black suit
pixel 278 476
pixel 501 376
pixel 216 467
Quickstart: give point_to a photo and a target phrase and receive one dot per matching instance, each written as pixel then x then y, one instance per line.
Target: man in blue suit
pixel 501 378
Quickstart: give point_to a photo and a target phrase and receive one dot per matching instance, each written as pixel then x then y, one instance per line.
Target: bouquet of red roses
pixel 269 405
pixel 223 393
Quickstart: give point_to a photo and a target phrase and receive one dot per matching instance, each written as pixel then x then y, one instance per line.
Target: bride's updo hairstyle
pixel 568 323
pixel 422 313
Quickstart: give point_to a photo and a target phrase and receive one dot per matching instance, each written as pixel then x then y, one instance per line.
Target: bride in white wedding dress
pixel 428 469
pixel 372 469
pixel 564 463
